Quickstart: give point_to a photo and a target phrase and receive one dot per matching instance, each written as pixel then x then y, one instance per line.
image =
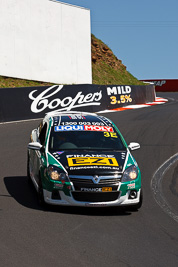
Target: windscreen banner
pixel 34 102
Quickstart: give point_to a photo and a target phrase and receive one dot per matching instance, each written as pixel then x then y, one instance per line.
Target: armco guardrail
pixel 34 102
pixel 164 85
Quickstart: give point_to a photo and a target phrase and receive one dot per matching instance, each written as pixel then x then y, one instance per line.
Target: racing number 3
pixel 107 134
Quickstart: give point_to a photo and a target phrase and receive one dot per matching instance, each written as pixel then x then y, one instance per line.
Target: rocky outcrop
pixel 101 52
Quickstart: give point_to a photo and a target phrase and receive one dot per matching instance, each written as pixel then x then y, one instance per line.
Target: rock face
pixel 107 68
pixel 101 52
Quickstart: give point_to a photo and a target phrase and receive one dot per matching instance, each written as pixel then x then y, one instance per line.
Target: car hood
pixel 77 162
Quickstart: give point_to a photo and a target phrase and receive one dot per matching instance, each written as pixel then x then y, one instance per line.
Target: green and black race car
pixel 81 159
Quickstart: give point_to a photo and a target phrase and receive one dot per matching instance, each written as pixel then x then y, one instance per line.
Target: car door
pixel 38 153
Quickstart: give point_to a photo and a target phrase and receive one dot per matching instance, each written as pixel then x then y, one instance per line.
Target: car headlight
pixel 130 174
pixel 56 175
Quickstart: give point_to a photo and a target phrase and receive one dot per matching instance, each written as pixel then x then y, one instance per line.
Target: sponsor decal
pixel 96 128
pixel 92 161
pixel 41 101
pixel 131 186
pixel 76 117
pixel 106 189
pixel 94 167
pixel 90 155
pixel 91 189
pixel 103 189
pixel 58 186
pixel 158 83
pixel 60 152
pixel 81 123
pixel 69 128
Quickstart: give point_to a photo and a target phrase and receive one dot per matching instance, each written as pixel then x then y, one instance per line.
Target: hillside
pixel 106 69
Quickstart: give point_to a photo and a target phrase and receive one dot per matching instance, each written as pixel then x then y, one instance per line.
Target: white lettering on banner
pixel 119 90
pixel 41 101
pixel 158 83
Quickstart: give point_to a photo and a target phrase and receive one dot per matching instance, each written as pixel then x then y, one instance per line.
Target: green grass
pixel 8 82
pixel 104 74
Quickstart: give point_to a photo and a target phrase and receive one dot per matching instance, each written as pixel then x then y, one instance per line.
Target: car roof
pixel 77 116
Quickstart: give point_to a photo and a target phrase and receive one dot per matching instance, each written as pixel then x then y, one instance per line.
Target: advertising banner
pixel 161 85
pixel 35 102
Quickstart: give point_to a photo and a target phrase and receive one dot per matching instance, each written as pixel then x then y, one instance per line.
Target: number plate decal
pixel 106 189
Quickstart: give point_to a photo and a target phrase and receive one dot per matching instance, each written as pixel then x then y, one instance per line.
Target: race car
pixel 81 159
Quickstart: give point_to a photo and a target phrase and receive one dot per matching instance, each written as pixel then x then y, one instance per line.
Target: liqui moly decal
pixel 42 102
pixel 69 128
pixel 83 128
pixel 98 128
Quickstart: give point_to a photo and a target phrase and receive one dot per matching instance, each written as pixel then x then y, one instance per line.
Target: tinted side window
pixel 43 134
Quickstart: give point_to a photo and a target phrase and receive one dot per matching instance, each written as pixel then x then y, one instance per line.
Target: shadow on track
pixel 24 193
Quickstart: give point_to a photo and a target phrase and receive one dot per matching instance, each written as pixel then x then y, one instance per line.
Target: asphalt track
pixel 31 236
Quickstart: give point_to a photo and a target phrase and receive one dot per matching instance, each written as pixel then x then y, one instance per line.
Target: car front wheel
pixel 40 194
pixel 28 169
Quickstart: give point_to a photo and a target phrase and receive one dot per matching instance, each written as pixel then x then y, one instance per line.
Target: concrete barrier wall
pixel 164 85
pixel 45 40
pixel 34 102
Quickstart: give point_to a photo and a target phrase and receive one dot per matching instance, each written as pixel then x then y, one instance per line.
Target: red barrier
pixel 164 85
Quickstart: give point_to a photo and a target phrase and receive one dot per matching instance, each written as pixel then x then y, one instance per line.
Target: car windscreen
pixel 88 140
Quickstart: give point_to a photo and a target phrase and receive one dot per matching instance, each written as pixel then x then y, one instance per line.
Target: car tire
pixel 40 194
pixel 28 170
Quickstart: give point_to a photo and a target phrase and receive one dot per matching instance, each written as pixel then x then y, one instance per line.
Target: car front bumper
pixel 64 200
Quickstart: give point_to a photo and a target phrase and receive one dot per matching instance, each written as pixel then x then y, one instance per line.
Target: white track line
pixel 10 122
pixel 156 186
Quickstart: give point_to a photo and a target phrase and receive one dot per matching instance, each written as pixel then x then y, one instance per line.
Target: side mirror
pixel 34 146
pixel 133 146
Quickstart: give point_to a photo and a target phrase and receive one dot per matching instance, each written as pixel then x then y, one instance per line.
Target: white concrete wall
pixel 45 40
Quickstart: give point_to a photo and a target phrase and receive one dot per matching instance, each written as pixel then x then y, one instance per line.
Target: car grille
pixel 103 180
pixel 89 182
pixel 95 196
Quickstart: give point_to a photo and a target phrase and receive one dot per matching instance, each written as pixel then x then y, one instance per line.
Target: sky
pixel 141 33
